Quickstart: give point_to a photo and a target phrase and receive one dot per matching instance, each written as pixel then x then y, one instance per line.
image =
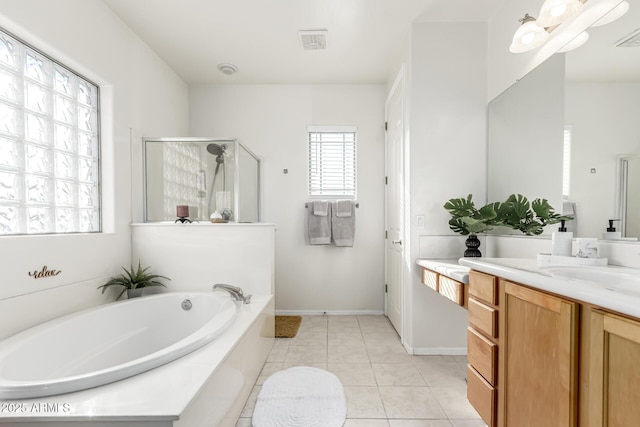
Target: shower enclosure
pixel 207 174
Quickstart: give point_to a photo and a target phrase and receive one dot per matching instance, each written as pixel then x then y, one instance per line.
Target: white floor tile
pixel 384 386
pixel 306 353
pixel 348 353
pixel 411 402
pixel 400 374
pixel 364 402
pixel 353 374
pixel 354 422
pixel 419 423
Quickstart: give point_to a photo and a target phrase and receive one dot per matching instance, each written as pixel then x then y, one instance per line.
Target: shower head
pixel 216 149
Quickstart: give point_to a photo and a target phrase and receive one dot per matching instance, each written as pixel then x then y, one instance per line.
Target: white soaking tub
pixel 111 342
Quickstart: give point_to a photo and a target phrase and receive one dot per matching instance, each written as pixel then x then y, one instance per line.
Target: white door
pixel 394 168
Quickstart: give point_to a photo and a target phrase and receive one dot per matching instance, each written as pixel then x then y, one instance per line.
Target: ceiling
pixel 260 37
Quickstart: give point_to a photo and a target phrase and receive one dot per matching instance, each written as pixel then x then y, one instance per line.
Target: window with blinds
pixel 566 162
pixel 49 151
pixel 332 161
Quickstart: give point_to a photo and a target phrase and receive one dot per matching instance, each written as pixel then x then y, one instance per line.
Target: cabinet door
pixel 614 373
pixel 538 359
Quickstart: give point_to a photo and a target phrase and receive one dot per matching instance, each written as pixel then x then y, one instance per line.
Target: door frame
pixel 400 79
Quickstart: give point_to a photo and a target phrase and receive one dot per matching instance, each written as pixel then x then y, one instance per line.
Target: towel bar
pixel 306 205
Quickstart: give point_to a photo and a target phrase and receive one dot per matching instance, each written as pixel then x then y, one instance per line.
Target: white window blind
pixel 332 161
pixel 566 162
pixel 49 151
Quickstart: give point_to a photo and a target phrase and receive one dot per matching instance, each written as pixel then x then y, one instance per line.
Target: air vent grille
pixel 632 40
pixel 313 39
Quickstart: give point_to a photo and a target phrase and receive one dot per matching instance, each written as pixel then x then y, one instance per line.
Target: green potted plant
pixel 134 282
pixel 516 213
pixel 467 220
pixel 530 218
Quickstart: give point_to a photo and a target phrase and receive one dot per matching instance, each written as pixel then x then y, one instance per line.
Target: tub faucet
pixel 236 293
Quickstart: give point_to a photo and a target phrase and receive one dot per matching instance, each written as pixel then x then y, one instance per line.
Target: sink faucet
pixel 236 293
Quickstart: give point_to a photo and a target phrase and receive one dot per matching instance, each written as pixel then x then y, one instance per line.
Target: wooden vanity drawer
pixel 481 395
pixel 430 279
pixel 483 317
pixel 483 286
pixel 482 354
pixel 451 289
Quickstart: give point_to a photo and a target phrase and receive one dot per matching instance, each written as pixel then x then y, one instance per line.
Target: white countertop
pixel 527 272
pixel 446 267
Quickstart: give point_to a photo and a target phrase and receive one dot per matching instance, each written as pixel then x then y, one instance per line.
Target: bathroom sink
pixel 625 280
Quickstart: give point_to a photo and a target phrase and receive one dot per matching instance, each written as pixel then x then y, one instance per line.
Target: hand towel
pixel 343 228
pixel 318 226
pixel 320 207
pixel 343 208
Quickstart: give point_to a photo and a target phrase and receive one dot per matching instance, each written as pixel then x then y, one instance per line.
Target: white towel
pixel 320 207
pixel 318 226
pixel 343 208
pixel 343 228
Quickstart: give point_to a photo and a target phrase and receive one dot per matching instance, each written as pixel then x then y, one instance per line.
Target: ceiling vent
pixel 313 39
pixel 632 40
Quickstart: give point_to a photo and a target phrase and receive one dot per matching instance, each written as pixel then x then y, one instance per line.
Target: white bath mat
pixel 301 396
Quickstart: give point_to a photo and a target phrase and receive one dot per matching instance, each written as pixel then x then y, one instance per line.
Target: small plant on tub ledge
pixel 134 282
pixel 516 213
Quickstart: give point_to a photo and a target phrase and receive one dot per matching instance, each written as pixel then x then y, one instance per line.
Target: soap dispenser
pixel 561 241
pixel 611 233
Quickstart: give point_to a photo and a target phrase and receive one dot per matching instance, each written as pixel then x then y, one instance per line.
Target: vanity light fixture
pixel 533 33
pixel 614 14
pixel 528 36
pixel 555 12
pixel 575 43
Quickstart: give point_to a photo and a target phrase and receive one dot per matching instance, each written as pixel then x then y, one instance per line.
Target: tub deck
pixel 172 394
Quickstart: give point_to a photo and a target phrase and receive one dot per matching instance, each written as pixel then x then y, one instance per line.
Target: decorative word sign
pixel 45 272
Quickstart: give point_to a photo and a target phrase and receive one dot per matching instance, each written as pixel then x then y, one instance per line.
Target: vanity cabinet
pixel 482 345
pixel 445 286
pixel 538 368
pixel 611 381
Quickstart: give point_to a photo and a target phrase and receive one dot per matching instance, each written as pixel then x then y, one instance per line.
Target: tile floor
pixel 385 386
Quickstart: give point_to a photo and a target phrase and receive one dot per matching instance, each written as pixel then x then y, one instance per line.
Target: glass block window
pixel 182 165
pixel 332 161
pixel 49 145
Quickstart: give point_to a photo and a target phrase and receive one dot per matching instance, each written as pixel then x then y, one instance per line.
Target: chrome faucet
pixel 236 293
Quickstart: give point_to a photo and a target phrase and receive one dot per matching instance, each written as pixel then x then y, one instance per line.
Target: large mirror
pixel 569 131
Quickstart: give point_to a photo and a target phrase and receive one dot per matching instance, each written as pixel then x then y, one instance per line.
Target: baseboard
pixel 432 351
pixel 329 312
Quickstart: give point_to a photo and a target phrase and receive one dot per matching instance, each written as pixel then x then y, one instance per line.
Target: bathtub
pixel 111 342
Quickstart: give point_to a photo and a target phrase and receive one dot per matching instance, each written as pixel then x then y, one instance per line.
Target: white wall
pixel 197 256
pixel 138 91
pixel 447 158
pixel 272 121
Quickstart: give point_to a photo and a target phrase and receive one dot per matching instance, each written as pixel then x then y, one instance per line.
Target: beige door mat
pixel 287 326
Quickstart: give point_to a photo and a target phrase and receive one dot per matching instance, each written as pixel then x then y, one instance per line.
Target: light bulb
pixel 528 36
pixel 554 12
